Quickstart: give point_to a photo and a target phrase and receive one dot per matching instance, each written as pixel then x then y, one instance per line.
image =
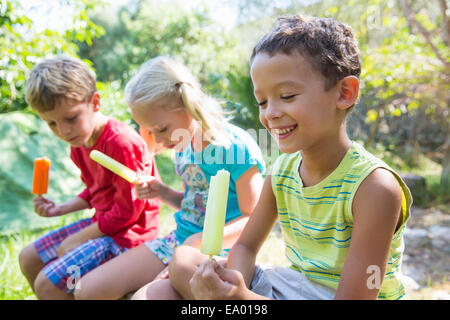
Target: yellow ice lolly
pixel 114 166
pixel 216 208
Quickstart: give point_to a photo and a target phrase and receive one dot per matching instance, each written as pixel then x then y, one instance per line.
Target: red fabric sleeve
pixel 127 208
pixel 86 196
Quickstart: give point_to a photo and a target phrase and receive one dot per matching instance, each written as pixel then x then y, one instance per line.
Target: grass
pixel 14 286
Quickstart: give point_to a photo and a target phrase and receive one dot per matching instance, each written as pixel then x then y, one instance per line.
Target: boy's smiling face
pixel 293 103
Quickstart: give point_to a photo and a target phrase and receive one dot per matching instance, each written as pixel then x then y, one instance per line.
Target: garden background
pixel 402 115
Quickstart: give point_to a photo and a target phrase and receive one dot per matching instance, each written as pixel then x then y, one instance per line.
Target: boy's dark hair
pixel 329 45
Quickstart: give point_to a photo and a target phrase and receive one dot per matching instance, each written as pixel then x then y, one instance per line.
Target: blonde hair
pixel 57 79
pixel 163 77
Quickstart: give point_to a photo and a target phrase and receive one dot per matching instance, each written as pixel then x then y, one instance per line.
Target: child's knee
pixel 43 287
pixel 28 258
pixel 183 264
pixel 141 294
pixel 179 265
pixel 86 289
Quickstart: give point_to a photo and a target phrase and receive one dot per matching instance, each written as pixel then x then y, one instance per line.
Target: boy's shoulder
pixel 118 136
pixel 121 132
pixel 359 157
pixel 378 180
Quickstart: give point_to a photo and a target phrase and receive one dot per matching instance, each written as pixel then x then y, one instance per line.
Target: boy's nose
pixel 272 112
pixel 64 130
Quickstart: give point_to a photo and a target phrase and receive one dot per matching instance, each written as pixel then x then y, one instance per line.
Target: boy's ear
pixel 348 92
pixel 95 100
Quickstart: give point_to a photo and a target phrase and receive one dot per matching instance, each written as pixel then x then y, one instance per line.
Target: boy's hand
pixel 46 207
pixel 212 281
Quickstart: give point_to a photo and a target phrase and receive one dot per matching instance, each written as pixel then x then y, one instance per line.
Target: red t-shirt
pixel 118 211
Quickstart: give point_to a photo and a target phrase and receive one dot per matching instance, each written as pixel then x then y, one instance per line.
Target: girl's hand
pixel 46 207
pixel 149 187
pixel 212 281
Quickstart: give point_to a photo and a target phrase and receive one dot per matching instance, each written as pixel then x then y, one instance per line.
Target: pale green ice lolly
pixel 114 166
pixel 216 208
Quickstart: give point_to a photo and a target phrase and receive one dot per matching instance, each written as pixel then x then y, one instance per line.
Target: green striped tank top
pixel 317 221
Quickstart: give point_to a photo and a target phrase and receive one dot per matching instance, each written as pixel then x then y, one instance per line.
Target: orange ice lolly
pixel 40 175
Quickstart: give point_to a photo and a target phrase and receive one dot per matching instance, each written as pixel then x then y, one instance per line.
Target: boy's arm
pixel 47 208
pixel 243 254
pixel 73 205
pixel 376 212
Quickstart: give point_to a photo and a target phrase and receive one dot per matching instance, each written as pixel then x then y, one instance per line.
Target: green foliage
pixel 143 30
pixel 21 47
pixel 404 84
pixel 113 103
pixel 405 87
pixel 24 138
pixel 152 29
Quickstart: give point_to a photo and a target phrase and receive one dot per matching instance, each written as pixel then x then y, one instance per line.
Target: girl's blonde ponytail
pixel 209 119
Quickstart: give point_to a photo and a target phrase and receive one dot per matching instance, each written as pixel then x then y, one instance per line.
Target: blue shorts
pixel 164 248
pixel 65 271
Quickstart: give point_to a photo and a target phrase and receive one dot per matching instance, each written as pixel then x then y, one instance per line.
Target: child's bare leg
pixel 160 289
pixel 46 290
pixel 30 264
pixel 120 275
pixel 184 263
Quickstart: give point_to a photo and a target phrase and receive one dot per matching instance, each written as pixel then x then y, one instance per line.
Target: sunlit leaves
pixel 21 46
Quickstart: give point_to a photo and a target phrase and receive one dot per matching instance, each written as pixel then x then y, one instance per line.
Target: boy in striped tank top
pixel 342 211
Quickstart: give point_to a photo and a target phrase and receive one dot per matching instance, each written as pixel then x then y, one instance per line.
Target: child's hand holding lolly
pixel 213 281
pixel 46 207
pixel 148 187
